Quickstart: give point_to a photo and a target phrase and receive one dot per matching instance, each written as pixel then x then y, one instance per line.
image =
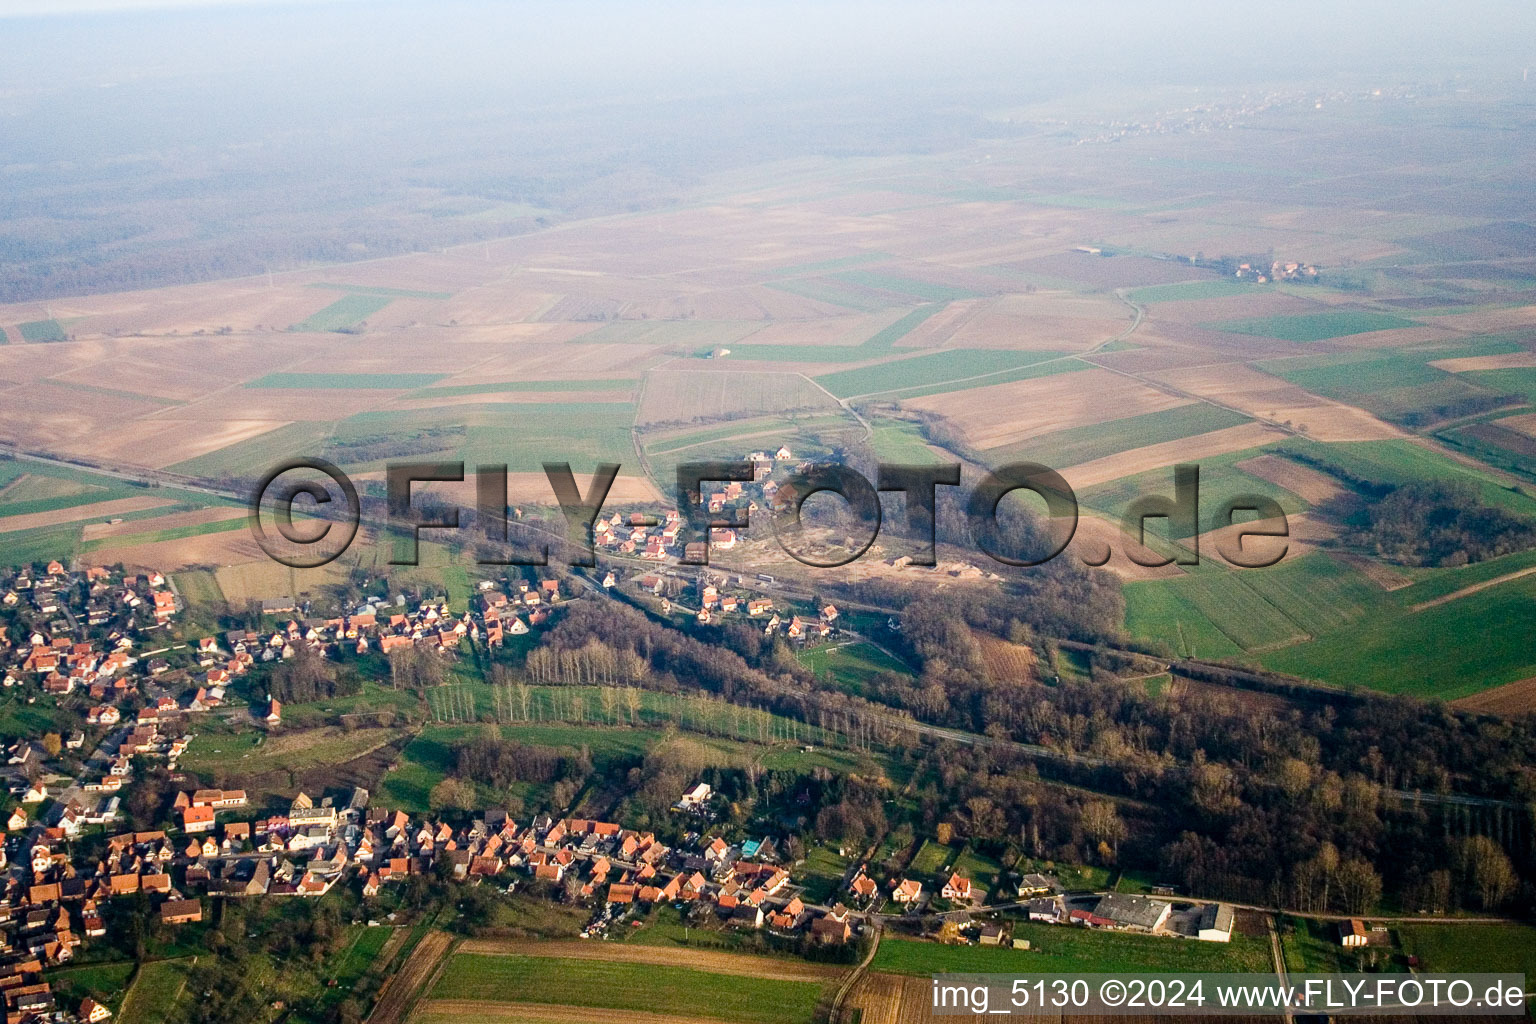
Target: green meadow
pixel 937 372
pixel 1187 291
pixel 1062 448
pixel 1337 323
pixel 1055 949
pixel 347 311
pixel 612 985
pixel 41 330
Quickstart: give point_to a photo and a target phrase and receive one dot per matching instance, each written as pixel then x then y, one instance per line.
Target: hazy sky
pixel 763 43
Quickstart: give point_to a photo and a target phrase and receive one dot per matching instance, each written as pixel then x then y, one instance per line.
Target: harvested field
pixel 1525 423
pixel 832 330
pixel 1306 533
pixel 1114 271
pixel 158 443
pixel 892 999
pixel 1492 321
pixel 1047 321
pixel 1259 394
pixel 697 959
pixel 1006 662
pixel 1188 449
pixel 1503 361
pixel 175 521
pixel 1094 536
pixel 1001 414
pixel 1310 485
pixel 77 513
pixel 1512 700
pixel 402 988
pixel 230 547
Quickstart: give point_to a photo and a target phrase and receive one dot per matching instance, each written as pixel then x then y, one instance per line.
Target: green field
pixel 254 456
pixel 1427 654
pixel 978 867
pixel 345 381
pixel 1220 598
pixel 1060 949
pixel 1390 384
pixel 850 665
pixel 509 386
pixel 348 311
pixel 911 287
pixel 106 983
pixel 826 266
pixel 901 443
pixel 882 342
pixel 1312 947
pixel 690 334
pixel 626 986
pixel 44 544
pixel 1339 627
pixel 1337 323
pixel 523 435
pixel 1454 948
pixel 41 330
pixel 936 372
pixel 930 858
pixel 1400 462
pixel 1519 381
pixel 157 989
pixel 198 587
pixel 1188 291
pixel 1215 613
pixel 829 290
pixel 394 293
pixel 821 873
pixel 1062 448
pixel 1220 482
pixel 27 487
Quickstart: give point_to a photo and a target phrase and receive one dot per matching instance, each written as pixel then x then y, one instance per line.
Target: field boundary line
pixel 1468 591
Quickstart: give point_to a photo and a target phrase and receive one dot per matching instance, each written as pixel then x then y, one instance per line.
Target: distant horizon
pixel 52 8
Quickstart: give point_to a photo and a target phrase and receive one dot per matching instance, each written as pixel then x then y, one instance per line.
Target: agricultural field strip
pixel 625 985
pixel 1470 590
pixel 697 959
pixel 457 1011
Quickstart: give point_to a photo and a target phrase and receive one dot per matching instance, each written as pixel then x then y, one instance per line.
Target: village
pixel 115 639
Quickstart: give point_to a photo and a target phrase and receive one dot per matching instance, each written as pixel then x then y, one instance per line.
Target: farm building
pixel 1352 932
pixel 1136 913
pixel 1216 923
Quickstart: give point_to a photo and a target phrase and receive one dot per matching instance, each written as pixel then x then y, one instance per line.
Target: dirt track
pixel 671 956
